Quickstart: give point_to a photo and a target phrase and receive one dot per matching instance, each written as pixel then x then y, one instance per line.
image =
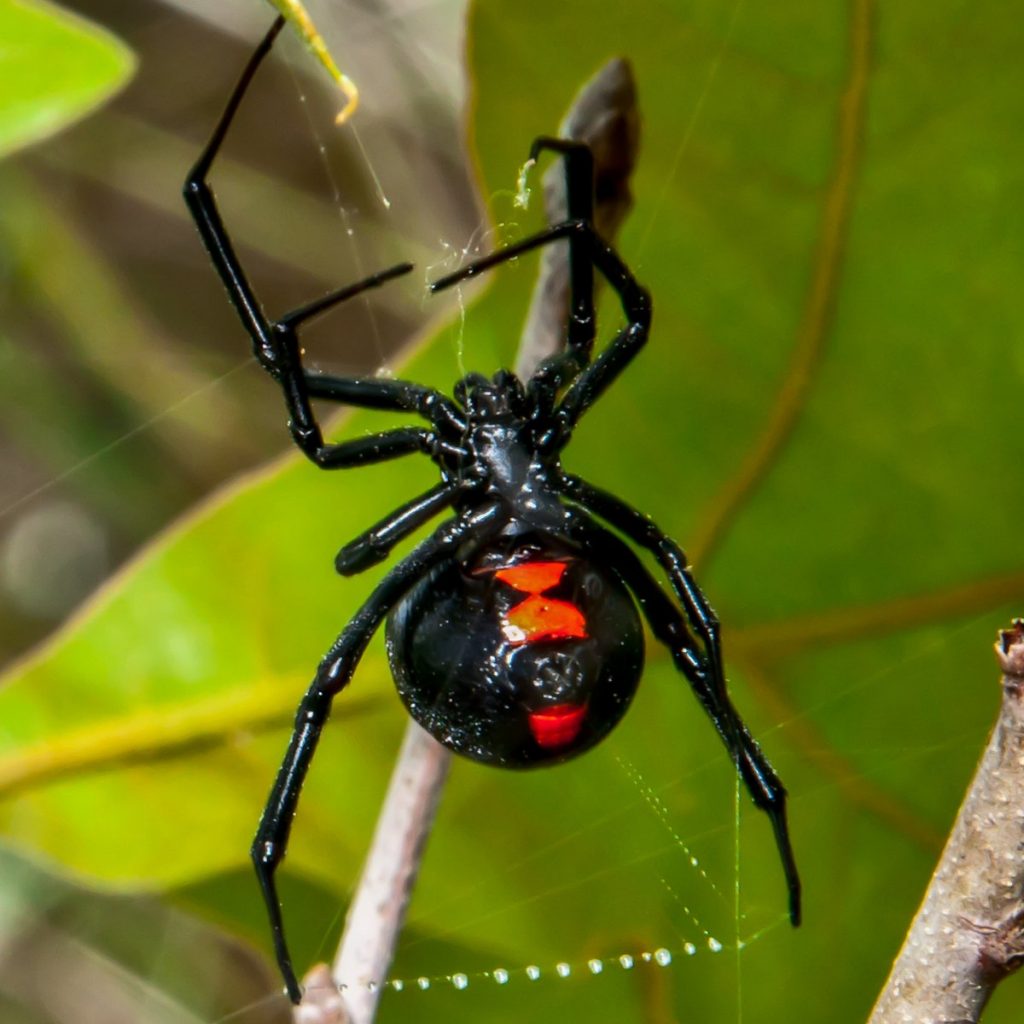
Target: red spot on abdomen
pixel 532 577
pixel 537 617
pixel 543 618
pixel 558 725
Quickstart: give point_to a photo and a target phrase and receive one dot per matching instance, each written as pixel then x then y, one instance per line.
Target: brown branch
pixel 969 932
pixel 604 115
pixel 348 993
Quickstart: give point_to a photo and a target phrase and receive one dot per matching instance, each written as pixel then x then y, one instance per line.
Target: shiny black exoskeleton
pixel 472 675
pixel 513 633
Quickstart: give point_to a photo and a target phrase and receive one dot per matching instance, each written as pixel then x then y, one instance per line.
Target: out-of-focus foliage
pixel 91 956
pixel 828 215
pixel 54 69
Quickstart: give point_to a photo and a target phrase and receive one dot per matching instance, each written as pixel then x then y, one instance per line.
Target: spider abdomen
pixel 517 657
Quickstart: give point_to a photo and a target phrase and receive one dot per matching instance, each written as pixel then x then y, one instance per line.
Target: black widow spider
pixel 512 632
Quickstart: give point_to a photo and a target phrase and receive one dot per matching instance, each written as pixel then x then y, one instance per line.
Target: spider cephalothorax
pixel 513 629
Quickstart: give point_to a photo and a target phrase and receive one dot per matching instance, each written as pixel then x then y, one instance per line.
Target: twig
pixel 969 933
pixel 378 908
pixel 604 114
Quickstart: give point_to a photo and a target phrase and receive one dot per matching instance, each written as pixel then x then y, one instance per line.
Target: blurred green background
pixel 829 214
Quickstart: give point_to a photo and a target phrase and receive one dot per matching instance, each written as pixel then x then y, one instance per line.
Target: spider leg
pixel 375 544
pixel 292 320
pixel 667 624
pixel 270 843
pixel 275 343
pixel 592 381
pixel 381 393
pixel 642 530
pixel 202 206
pixel 359 451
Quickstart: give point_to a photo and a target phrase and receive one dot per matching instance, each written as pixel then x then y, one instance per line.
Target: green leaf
pixel 55 68
pixel 827 415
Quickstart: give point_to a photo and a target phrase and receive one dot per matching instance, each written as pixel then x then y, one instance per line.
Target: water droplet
pixel 714 945
pixel 424 983
pixel 694 862
pixel 627 961
pixel 533 972
pixel 460 981
pixel 371 986
pixel 397 984
pixel 595 966
pixel 662 957
pixel 689 948
pixel 500 975
pixel 646 957
pixel 563 970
